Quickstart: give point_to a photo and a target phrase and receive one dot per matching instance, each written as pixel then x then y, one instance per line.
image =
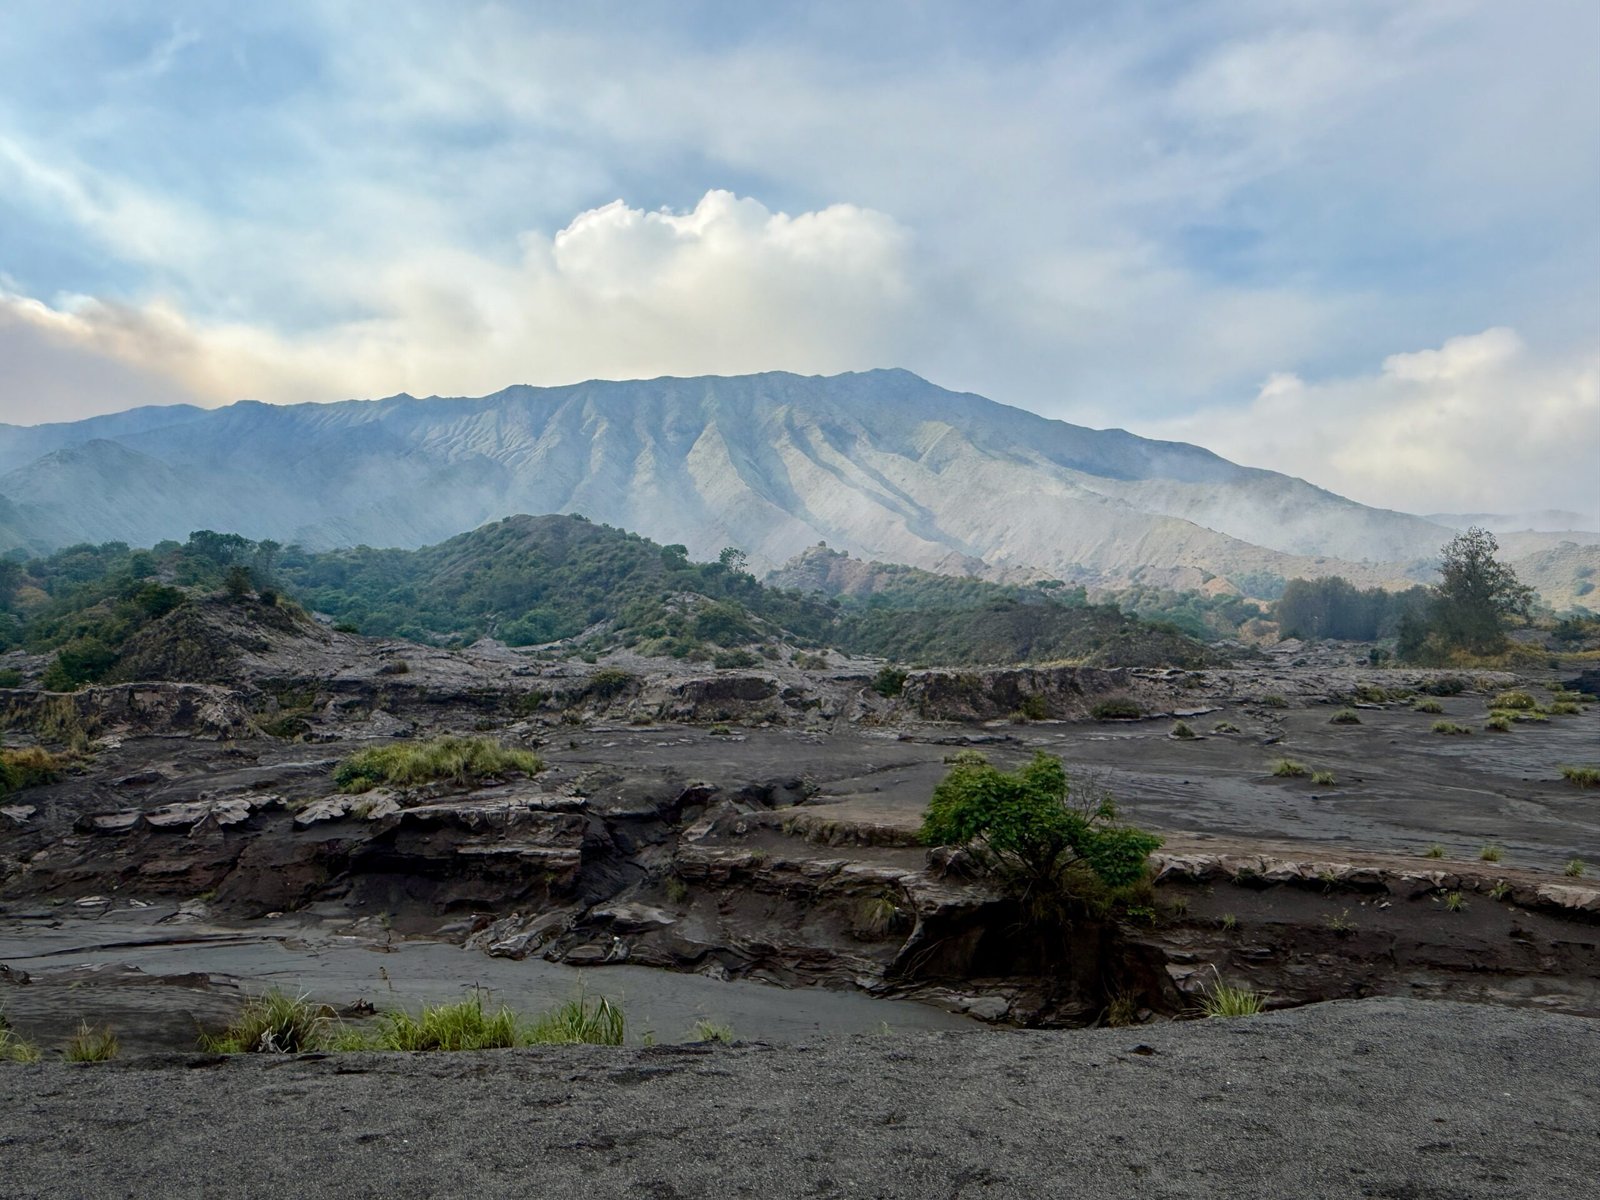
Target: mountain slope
pixel 881 463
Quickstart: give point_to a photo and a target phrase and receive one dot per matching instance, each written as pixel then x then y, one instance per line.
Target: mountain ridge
pixel 880 463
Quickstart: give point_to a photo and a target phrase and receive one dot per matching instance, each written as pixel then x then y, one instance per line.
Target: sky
pixel 1358 242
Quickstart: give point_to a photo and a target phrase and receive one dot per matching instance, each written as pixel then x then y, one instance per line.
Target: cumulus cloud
pixel 1479 424
pixel 726 287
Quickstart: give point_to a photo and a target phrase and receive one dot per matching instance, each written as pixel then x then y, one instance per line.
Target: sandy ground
pixel 1374 1098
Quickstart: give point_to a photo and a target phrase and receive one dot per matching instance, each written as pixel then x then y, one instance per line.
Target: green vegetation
pixel 1117 708
pixel 1434 851
pixel 1345 716
pixel 1332 607
pixel 1514 700
pixel 714 1031
pixel 29 767
pixel 459 760
pixel 92 1043
pixel 1455 901
pixel 1499 890
pixel 1223 1000
pixel 13 1047
pixel 1491 853
pixel 1182 731
pixel 1273 700
pixel 1341 923
pixel 468 1025
pixel 273 1023
pixel 1498 723
pixel 1025 826
pixel 1428 706
pixel 1230 922
pixel 534 580
pixel 1449 727
pixel 1224 727
pixel 889 681
pixel 1574 868
pixel 1287 768
pixel 1583 777
pixel 1323 778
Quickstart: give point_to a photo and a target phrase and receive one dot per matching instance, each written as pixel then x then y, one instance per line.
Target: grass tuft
pixel 14 1048
pixel 1434 851
pixel 1491 853
pixel 1324 778
pixel 1498 723
pixel 1499 890
pixel 461 760
pixel 273 1023
pixel 1449 727
pixel 92 1043
pixel 1584 777
pixel 1428 706
pixel 1224 727
pixel 1574 868
pixel 1455 901
pixel 1345 716
pixel 1287 768
pixel 1221 1000
pixel 1182 731
pixel 714 1031
pixel 1518 700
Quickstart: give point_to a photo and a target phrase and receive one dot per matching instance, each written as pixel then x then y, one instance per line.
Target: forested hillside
pixel 556 579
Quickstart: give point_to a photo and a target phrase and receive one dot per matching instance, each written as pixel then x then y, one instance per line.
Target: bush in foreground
pixel 460 760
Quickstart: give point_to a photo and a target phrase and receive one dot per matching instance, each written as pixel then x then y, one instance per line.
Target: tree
pixel 1478 596
pixel 734 559
pixel 1025 825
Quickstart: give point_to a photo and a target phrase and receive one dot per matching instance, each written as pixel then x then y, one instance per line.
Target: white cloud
pixel 1479 424
pixel 726 287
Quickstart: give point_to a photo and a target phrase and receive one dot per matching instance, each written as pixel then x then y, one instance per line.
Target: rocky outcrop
pixel 132 710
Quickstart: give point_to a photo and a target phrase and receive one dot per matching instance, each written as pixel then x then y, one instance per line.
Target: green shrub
pixel 1025 825
pixel 1323 778
pixel 1182 732
pixel 1287 768
pixel 1428 706
pixel 1274 701
pixel 1117 708
pixel 1434 851
pixel 1034 707
pixel 10 678
pixel 889 682
pixel 1491 853
pixel 1345 716
pixel 1449 727
pixel 1448 685
pixel 92 1044
pixel 273 1023
pixel 608 682
pixel 1224 727
pixel 1499 723
pixel 728 660
pixel 1574 868
pixel 460 760
pixel 1563 708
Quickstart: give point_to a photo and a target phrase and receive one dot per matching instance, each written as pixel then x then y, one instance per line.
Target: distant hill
pixel 881 464
pixel 112 613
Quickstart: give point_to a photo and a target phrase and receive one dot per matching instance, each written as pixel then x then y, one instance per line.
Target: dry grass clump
pixel 92 1043
pixel 13 1047
pixel 30 766
pixel 460 760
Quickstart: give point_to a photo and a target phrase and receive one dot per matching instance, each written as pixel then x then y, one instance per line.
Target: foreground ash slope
pixel 1379 1098
pixel 882 464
